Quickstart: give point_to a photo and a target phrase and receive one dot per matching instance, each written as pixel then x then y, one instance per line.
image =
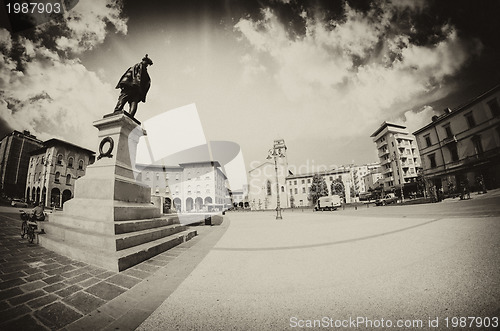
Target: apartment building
pixel 461 146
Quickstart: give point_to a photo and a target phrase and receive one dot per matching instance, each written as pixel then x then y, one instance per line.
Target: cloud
pixel 357 71
pixel 44 88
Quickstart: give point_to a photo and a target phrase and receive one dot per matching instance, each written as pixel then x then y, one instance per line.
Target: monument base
pixel 111 221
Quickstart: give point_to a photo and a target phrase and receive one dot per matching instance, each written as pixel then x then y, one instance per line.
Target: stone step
pixel 135 255
pixel 136 238
pixel 138 225
pixel 112 242
pixel 112 260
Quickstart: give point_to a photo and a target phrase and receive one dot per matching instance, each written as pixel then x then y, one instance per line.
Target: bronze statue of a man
pixel 134 86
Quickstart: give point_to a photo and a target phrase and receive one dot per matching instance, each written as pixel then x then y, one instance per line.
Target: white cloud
pixel 53 95
pixel 353 73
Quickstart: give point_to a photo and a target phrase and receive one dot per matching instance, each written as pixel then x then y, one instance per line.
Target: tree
pixel 338 187
pixel 318 189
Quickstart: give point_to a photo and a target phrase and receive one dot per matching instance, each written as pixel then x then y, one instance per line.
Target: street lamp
pixel 398 158
pixel 277 151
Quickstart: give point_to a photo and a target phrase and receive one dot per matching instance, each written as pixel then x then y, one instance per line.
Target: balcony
pixel 383 152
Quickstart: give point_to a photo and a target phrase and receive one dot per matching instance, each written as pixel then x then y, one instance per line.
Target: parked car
pixel 328 203
pixel 388 199
pixel 18 203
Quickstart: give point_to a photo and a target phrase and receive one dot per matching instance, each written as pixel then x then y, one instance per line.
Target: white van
pixel 331 202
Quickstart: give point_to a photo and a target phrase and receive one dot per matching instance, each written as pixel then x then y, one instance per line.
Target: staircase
pixel 133 241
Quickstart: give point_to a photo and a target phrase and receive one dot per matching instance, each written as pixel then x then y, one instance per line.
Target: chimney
pixel 434 118
pixel 447 110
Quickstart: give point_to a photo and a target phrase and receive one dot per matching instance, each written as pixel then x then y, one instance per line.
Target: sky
pixel 322 75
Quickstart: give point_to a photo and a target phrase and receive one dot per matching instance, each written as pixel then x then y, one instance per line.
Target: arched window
pixel 68 179
pixel 268 185
pixel 282 189
pixel 80 165
pixel 70 162
pixel 198 189
pixel 157 176
pixel 56 178
pixel 59 159
pixel 157 189
pixel 147 175
pixel 189 189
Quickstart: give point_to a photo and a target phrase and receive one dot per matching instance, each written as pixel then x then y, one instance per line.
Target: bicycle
pixel 28 227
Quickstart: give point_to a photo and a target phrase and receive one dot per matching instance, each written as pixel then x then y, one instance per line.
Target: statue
pixel 134 86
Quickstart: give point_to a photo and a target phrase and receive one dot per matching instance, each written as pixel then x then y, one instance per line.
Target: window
pixel 294 182
pixel 447 129
pixel 432 160
pixel 56 178
pixel 177 177
pixel 428 140
pixel 282 189
pixel 291 191
pixel 303 181
pixel 296 191
pixel 453 152
pixel 309 181
pixel 59 159
pixel 494 107
pixel 268 185
pixel 303 190
pixel 68 179
pixel 80 165
pixel 478 147
pixel 189 189
pixel 470 120
pixel 147 175
pixel 70 162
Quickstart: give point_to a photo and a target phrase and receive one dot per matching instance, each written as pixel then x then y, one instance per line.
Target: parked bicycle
pixel 28 226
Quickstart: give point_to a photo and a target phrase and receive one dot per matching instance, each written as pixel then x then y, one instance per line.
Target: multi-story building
pixel 53 170
pixel 461 147
pixel 188 187
pixel 15 149
pixel 358 172
pixel 372 180
pixel 298 186
pixel 399 157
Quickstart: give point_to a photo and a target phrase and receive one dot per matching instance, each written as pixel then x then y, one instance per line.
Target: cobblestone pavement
pixel 42 290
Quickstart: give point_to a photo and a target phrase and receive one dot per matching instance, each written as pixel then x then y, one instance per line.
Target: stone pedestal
pixel 109 190
pixel 111 222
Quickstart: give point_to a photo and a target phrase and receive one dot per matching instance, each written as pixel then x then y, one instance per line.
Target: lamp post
pixel 398 158
pixel 277 152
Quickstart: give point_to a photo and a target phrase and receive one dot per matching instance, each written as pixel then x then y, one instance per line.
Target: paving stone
pixel 137 273
pixel 78 279
pixel 89 282
pixel 31 286
pixel 34 277
pixel 123 280
pixel 104 275
pixel 11 283
pixel 84 301
pixel 13 313
pixel 73 273
pixel 68 291
pixel 14 269
pixel 42 301
pixel 53 279
pixel 54 287
pixel 25 323
pixel 10 293
pixel 12 275
pixel 50 266
pixel 105 290
pixel 26 297
pixel 4 305
pixel 61 270
pixel 94 271
pixel 57 315
pixel 31 271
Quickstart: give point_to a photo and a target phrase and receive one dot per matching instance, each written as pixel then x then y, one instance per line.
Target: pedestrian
pixel 38 214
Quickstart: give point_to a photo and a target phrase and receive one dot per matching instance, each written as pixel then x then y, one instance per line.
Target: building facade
pixel 299 186
pixel 15 150
pixel 262 189
pixel 188 187
pixel 358 172
pixel 461 147
pixel 399 157
pixel 53 170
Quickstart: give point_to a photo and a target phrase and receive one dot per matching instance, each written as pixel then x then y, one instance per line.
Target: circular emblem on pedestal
pixel 106 147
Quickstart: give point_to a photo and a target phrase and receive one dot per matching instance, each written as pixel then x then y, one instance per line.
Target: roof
pixel 55 142
pixel 386 125
pixel 463 106
pixel 323 173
